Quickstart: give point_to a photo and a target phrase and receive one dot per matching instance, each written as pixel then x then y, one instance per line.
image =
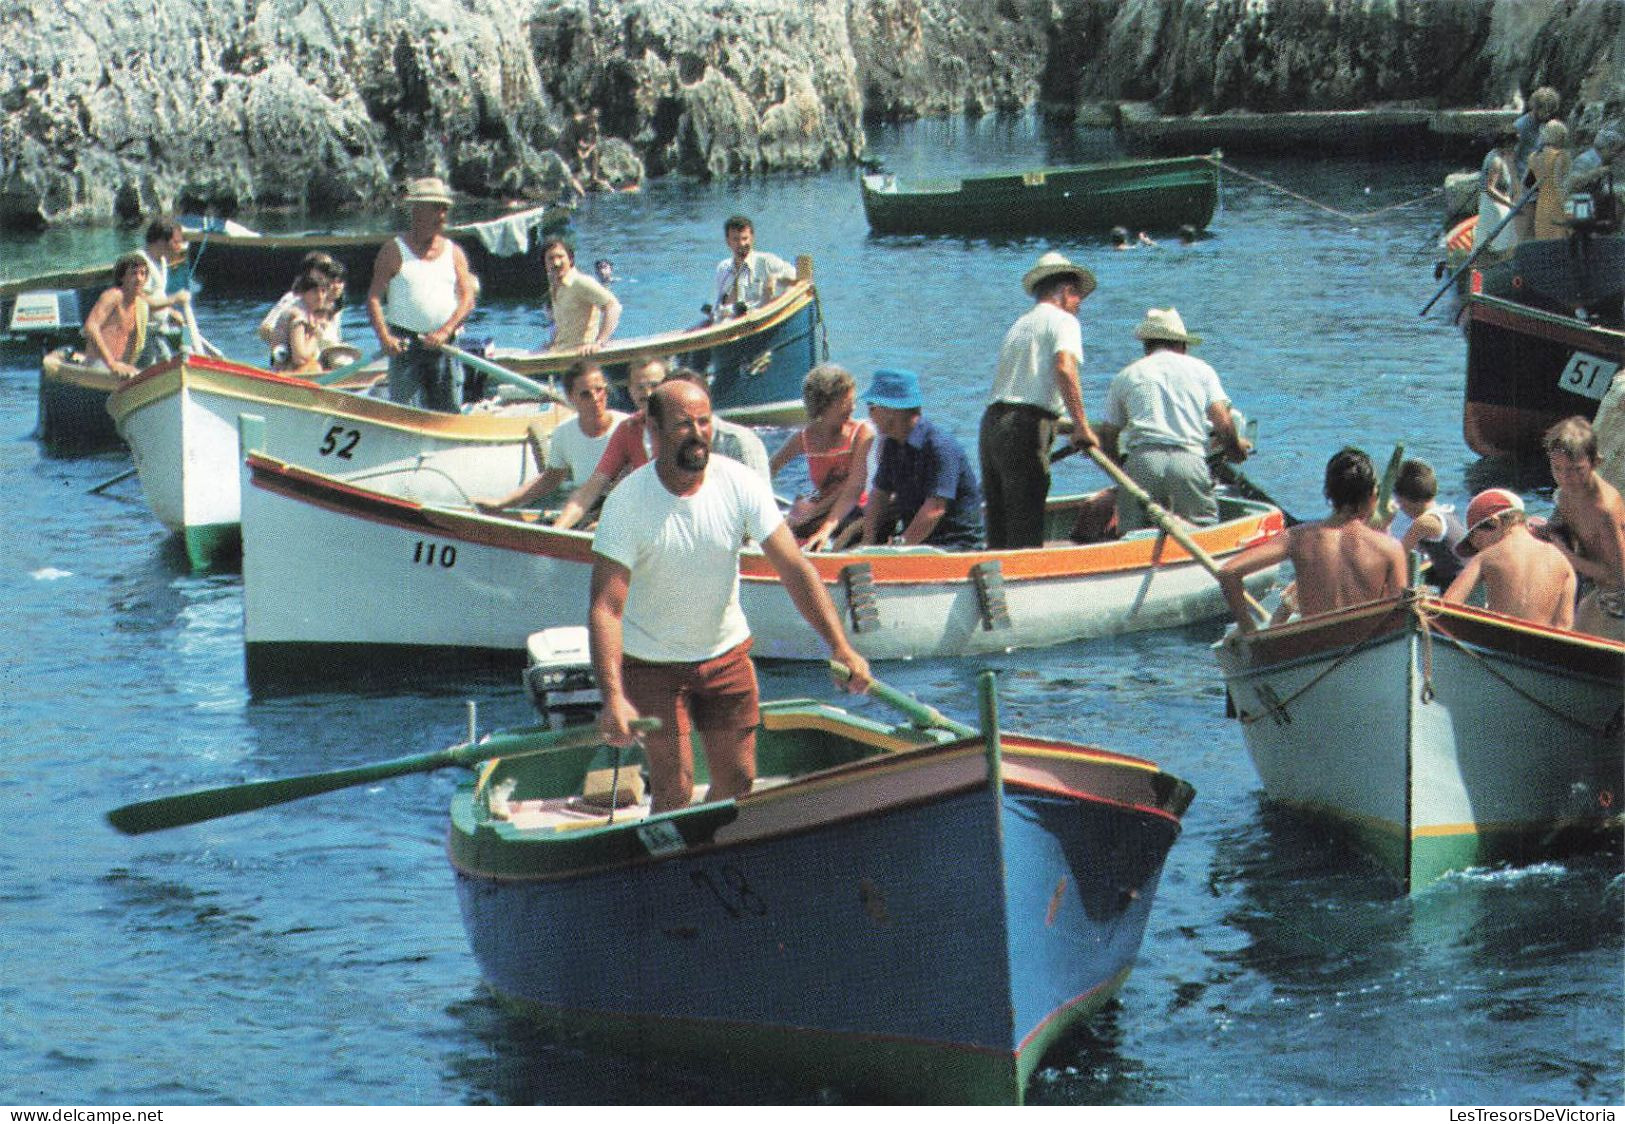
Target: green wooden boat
pixel 1081 198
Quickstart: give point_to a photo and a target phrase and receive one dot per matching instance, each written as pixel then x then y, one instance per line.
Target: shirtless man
pixel 1523 577
pixel 1591 510
pixel 116 328
pixel 1341 560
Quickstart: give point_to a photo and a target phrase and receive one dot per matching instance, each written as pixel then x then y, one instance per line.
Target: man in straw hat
pixel 1522 576
pixel 1162 406
pixel 1037 378
pixel 424 279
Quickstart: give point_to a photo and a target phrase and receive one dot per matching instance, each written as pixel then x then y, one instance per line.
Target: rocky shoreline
pixel 119 108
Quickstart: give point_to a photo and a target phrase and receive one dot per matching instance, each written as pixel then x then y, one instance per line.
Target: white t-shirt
pixel 575 452
pixel 747 284
pixel 1026 371
pixel 1163 399
pixel 683 553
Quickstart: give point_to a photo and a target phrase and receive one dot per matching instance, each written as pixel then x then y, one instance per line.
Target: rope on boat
pixel 1429 620
pixel 1278 707
pixel 421 466
pixel 1348 216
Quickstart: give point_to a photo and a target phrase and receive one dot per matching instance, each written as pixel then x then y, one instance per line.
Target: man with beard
pixel 668 637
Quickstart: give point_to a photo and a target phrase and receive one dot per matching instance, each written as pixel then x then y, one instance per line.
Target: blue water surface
pixel 313 953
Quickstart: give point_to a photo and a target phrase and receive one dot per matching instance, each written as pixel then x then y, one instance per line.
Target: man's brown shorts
pixel 715 694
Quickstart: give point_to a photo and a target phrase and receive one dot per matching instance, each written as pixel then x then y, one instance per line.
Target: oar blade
pixel 230 800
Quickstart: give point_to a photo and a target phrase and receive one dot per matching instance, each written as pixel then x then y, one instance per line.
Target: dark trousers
pixel 1014 447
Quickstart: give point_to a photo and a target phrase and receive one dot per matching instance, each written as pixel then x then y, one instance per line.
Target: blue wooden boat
pixel 755 363
pixel 911 913
pixel 73 395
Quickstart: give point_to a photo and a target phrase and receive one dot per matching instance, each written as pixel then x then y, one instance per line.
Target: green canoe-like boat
pixel 1137 194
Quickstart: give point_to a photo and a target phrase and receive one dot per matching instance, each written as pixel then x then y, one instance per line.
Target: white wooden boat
pixel 342 578
pixel 180 420
pixel 1436 736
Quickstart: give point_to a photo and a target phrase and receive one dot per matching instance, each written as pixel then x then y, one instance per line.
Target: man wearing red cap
pixel 1522 576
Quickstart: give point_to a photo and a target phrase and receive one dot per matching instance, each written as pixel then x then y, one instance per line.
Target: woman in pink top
pixel 837 452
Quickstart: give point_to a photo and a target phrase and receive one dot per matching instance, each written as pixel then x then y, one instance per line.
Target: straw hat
pixel 1485 507
pixel 895 390
pixel 428 189
pixel 1052 264
pixel 1165 324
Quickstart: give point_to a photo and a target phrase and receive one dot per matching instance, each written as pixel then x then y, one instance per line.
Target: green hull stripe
pixel 214 546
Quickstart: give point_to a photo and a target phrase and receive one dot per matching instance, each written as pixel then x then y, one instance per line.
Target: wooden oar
pixel 1385 487
pixel 198 343
pixel 926 717
pixel 1167 522
pixel 347 370
pixel 110 481
pixel 1233 476
pixel 1483 244
pixel 502 374
pixel 213 803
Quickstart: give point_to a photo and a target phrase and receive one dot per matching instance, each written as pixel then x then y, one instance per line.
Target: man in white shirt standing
pixel 1163 406
pixel 1037 378
pixel 669 639
pixel 421 293
pixel 747 278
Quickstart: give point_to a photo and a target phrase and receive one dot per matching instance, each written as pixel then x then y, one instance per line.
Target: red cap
pixel 1486 506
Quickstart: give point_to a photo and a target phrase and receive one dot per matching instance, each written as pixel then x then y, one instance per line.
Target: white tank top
pixel 423 294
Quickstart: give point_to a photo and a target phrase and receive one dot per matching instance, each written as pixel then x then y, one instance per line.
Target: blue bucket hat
pixel 894 389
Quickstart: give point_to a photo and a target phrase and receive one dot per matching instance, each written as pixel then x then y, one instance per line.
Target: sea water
pixel 312 953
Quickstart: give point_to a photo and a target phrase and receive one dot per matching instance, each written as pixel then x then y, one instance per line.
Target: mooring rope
pixel 1348 216
pixel 1281 705
pixel 1430 622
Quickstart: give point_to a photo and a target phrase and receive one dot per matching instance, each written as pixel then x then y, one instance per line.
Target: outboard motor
pixel 559 677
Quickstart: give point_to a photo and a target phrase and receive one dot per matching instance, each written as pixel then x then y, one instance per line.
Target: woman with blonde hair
pixel 1549 173
pixel 837 450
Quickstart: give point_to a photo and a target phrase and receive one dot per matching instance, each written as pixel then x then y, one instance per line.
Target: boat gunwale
pixel 316 239
pixel 910 189
pixel 153 385
pixel 1314 638
pixel 1502 312
pixel 464 842
pixel 793 300
pixel 1258 522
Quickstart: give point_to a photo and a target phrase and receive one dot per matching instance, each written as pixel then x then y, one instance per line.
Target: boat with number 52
pixel 180 420
pixel 913 914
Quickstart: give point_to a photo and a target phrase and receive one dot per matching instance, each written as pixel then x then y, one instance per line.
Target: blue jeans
pixel 424 377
